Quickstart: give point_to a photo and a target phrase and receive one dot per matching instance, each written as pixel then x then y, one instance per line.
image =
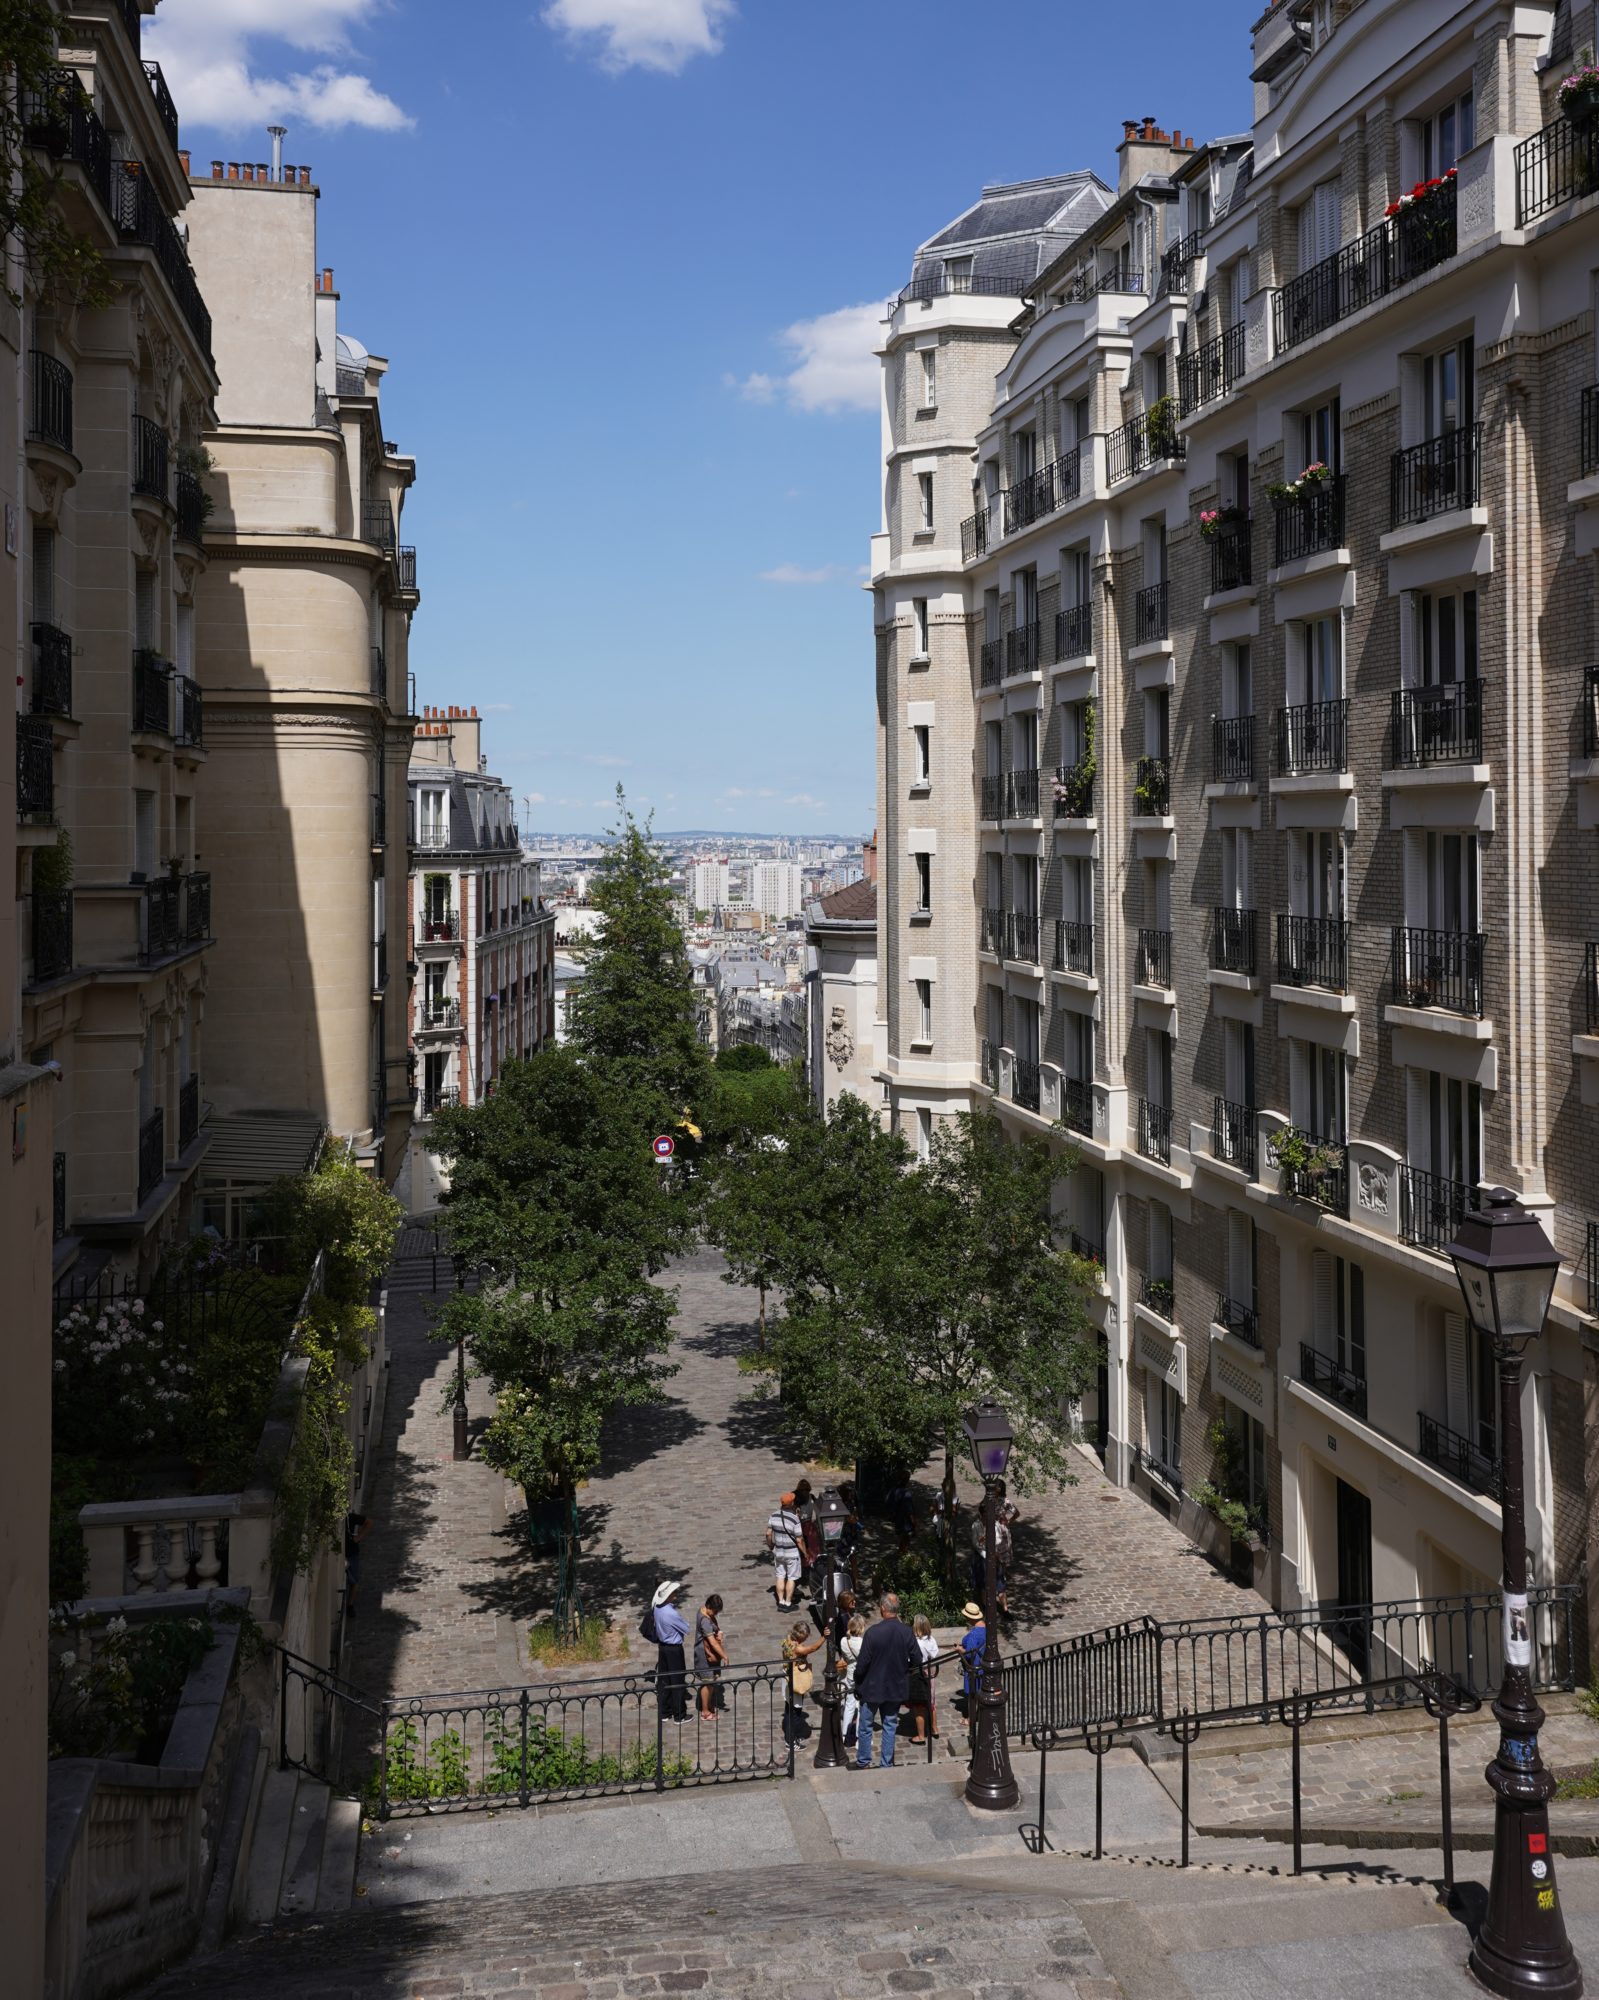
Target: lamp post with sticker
pixel 1506 1266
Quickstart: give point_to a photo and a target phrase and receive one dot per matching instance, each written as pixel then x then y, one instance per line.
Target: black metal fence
pixel 1436 476
pixel 1313 736
pixel 1313 951
pixel 51 933
pixel 1232 749
pixel 1331 1379
pixel 1023 648
pixel 1436 725
pixel 1232 1133
pixel 1230 556
pixel 160 928
pixel 1555 165
pixel 189 711
pixel 1211 370
pixel 377 523
pixel 190 495
pixel 1074 791
pixel 990 663
pixel 52 669
pixel 141 219
pixel 36 782
pixel 1461 1457
pixel 1074 631
pixel 1154 1130
pixel 1077 1104
pixel 149 458
pixel 1151 614
pixel 1024 1083
pixel 408 566
pixel 152 1153
pixel 1152 967
pixel 152 693
pixel 1438 969
pixel 1029 499
pixel 1588 450
pixel 1311 523
pixel 1431 1207
pixel 1152 787
pixel 1232 940
pixel 1148 439
pixel 1590 711
pixel 974 536
pixel 49 399
pixel 1074 946
pixel 1021 794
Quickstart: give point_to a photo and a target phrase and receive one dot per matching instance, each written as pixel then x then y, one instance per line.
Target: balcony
pixel 191 507
pixel 1309 522
pixel 36 770
pixel 1430 1208
pixel 988 1061
pixel 152 693
pixel 991 932
pixel 941 282
pixel 1593 1270
pixel 1151 614
pixel 1232 1135
pixel 1554 166
pixel 1588 448
pixel 1176 264
pixel 991 664
pixel 188 1114
pixel 1024 1083
pixel 1438 969
pixel 1230 560
pixel 1077 1105
pixel 142 220
pixel 1160 1295
pixel 380 964
pixel 1154 1130
pixel 52 933
pixel 1212 370
pixel 189 712
pixel 58 1197
pixel 1313 951
pixel 1590 986
pixel 160 926
pixel 445 1097
pixel 1242 1320
pixel 1314 736
pixel 197 906
pixel 380 679
pixel 1090 1248
pixel 149 459
pixel 165 109
pixel 1313 1169
pixel 1232 940
pixel 1152 960
pixel 1232 749
pixel 1329 1378
pixel 1590 711
pixel 408 569
pixel 49 400
pixel 1146 440
pixel 1021 794
pixel 380 820
pixel 993 797
pixel 1436 725
pixel 438 1016
pixel 152 1154
pixel 1074 791
pixel 442 927
pixel 1436 476
pixel 974 536
pixel 1415 238
pixel 432 834
pixel 1024 654
pixel 59 119
pixel 1152 788
pixel 1021 936
pixel 1458 1456
pixel 377 524
pixel 1074 947
pixel 1032 498
pixel 52 669
pixel 1074 632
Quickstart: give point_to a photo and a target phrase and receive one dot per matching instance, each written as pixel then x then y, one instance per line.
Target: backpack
pixel 646 1625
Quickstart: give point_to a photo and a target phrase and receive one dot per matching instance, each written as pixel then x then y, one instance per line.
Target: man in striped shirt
pixel 784 1533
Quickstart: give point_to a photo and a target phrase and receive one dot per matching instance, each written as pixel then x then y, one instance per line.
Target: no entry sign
pixel 664 1147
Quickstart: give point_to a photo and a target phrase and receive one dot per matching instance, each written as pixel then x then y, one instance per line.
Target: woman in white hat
pixel 671 1664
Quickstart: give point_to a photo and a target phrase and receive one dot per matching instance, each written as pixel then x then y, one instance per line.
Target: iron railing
pixel 1151 614
pixel 377 523
pixel 988 1063
pixel 1154 1130
pixel 1590 985
pixel 1090 1248
pixel 1593 1269
pixel 1232 749
pixel 992 797
pixel 1230 560
pixel 149 458
pixel 1313 736
pixel 380 820
pixel 141 219
pixel 1588 432
pixel 439 1014
pixel 1152 965
pixel 1021 794
pixel 58 1197
pixel 188 1114
pixel 974 535
pixel 152 693
pixel 1238 1318
pixel 1074 631
pixel 1029 499
pixel 152 1154
pixel 1402 247
pixel 59 119
pixel 129 10
pixel 380 965
pixel 1313 951
pixel 1074 791
pixel 941 282
pixel 1232 939
pixel 1212 370
pixel 1590 711
pixel 445 1098
pixel 991 931
pixel 1160 1295
pixel 444 927
pixel 191 506
pixel 1232 1134
pixel 1021 936
pixel 1074 946
pixel 52 933
pixel 1436 476
pixel 1077 1104
pixel 36 769
pixel 1120 280
pixel 160 927
pixel 1430 1208
pixel 52 669
pixel 379 671
pixel 991 663
pixel 189 711
pixel 1176 262
pixel 1331 1379
pixel 165 109
pixel 1150 438
pixel 1436 725
pixel 1322 1176
pixel 1555 165
pixel 197 906
pixel 1310 524
pixel 1024 1083
pixel 1457 1455
pixel 408 567
pixel 49 399
pixel 1024 653
pixel 1152 787
pixel 1438 969
pixel 349 381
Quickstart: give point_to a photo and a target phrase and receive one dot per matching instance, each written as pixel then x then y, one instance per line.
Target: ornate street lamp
pixel 831 1514
pixel 463 1448
pixel 990 1782
pixel 1506 1266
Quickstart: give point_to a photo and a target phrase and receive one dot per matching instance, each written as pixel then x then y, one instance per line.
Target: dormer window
pixel 958 273
pixel 433 823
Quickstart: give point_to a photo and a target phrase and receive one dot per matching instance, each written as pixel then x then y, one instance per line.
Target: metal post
pixel 1265 1672
pixel 283 1710
pixel 523 1767
pixel 1298 1800
pixel 991 1784
pixel 1185 1729
pixel 1447 1829
pixel 830 1737
pixel 462 1448
pixel 1043 1754
pixel 1099 1804
pixel 383 1762
pixel 660 1738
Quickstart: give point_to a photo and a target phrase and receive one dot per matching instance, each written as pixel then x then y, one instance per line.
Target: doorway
pixel 1354 1572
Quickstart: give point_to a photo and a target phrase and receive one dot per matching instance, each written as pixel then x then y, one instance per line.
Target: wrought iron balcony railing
pixel 1031 498
pixel 1230 559
pixel 1232 749
pixel 988 1059
pixel 1023 652
pixel 1331 1379
pixel 58 118
pixel 1590 986
pixel 142 220
pixel 444 1098
pixel 1457 1455
pixel 1310 524
pixel 1090 1248
pixel 991 663
pixel 188 702
pixel 377 523
pixel 1160 1295
pixel 149 458
pixel 152 1153
pixel 1074 791
pixel 52 669
pixel 991 931
pixel 1074 631
pixel 1554 166
pixel 1024 1083
pixel 1154 1130
pixel 941 282
pixel 1232 1134
pixel 1152 787
pixel 165 109
pixel 1074 947
pixel 440 1014
pixel 1021 794
pixel 1150 438
pixel 442 927
pixel 1077 1104
pixel 1232 940
pixel 1439 969
pixel 1593 1269
pixel 1436 725
pixel 188 1113
pixel 1151 614
pixel 58 1197
pixel 407 567
pixel 1590 711
pixel 992 801
pixel 974 535
pixel 1238 1318
pixel 49 400
pixel 1021 936
pixel 191 506
pixel 1314 736
pixel 1212 370
pixel 152 693
pixel 51 933
pixel 160 926
pixel 1401 247
pixel 1430 1208
pixel 1152 961
pixel 1313 1169
pixel 1176 262
pixel 380 679
pixel 1436 476
pixel 1313 951
pixel 36 771
pixel 1588 447
pixel 197 906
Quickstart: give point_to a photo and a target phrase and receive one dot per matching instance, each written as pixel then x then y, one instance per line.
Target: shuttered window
pixel 1320 224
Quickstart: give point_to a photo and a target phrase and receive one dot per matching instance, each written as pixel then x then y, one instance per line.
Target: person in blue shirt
pixel 972 1652
pixel 671 1664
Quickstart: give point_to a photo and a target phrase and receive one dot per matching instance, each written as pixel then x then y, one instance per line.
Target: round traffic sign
pixel 664 1147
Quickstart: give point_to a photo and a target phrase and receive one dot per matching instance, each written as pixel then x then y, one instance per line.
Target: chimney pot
pixel 327 277
pixel 183 161
pixel 216 170
pixel 260 171
pixel 474 708
pixel 305 177
pixel 1149 128
pixel 233 170
pixel 1129 129
pixel 1177 138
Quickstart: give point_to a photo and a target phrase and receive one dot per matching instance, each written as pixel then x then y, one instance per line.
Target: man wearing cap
pixel 671 1665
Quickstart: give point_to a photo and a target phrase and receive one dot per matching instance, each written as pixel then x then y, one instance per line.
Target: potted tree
pixel 1223 1496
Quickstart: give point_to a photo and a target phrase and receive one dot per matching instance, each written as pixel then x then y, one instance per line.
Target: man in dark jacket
pixel 889 1654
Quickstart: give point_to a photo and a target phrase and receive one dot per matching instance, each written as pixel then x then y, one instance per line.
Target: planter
pixel 1581 107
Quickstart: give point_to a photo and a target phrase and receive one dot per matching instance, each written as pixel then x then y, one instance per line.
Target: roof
pixel 1012 229
pixel 254 1147
pixel 854 904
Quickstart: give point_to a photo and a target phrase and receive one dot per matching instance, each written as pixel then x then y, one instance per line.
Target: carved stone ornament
pixel 1372 1189
pixel 149 531
pixel 840 1042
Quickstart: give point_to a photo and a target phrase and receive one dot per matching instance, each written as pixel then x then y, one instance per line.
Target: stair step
pixel 303 1865
pixel 269 1846
pixel 335 1889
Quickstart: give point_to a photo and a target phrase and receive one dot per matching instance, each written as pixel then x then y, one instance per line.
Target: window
pixel 1237 868
pixel 924 883
pixel 183 639
pixel 1077 1045
pixel 1024 1025
pixel 990 615
pixel 1077 891
pixel 958 272
pixel 1448 388
pixel 1318 1091
pixel 919 613
pixel 924 1134
pixel 1242 1280
pixel 1444 1119
pixel 1442 880
pixel 1442 138
pixel 1160 1238
pixel 929 358
pixel 1237 289
pixel 924 488
pixel 1237 681
pixel 1249 1440
pixel 1024 740
pixel 144 608
pixel 1321 434
pixel 44 575
pixel 1157 1066
pixel 1338 1311
pixel 921 754
pixel 1154 546
pixel 1155 376
pixel 1320 225
pixel 1074 577
pixel 1073 732
pixel 1198 208
pixel 1157 722
pixel 1238 1062
pixel 1316 664
pixel 1074 423
pixel 144 857
pixel 924 1010
pixel 993 750
pixel 1165 1416
pixel 1023 456
pixel 1319 874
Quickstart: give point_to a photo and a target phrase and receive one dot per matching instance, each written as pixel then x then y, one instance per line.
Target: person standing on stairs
pixel 889 1657
pixel 671 1665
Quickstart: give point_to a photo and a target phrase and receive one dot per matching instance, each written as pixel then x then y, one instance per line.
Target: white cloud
pixel 745 792
pixel 806 799
pixel 753 388
pixel 534 798
pixel 793 573
pixel 661 35
pixel 206 53
pixel 835 363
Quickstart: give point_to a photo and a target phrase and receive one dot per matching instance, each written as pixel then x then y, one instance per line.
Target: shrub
pixel 125 1691
pixel 344 1212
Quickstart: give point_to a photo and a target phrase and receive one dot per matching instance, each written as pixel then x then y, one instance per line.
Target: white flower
pixel 61 1367
pixel 115 1627
pixel 100 1324
pixel 68 1660
pixel 158 1326
pixel 137 1306
pixel 127 1368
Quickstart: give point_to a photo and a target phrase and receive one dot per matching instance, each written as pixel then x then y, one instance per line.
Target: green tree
pixel 62 263
pixel 635 1009
pixel 342 1210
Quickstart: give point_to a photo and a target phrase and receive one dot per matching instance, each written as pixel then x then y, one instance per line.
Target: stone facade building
pixel 841 984
pixel 1238 759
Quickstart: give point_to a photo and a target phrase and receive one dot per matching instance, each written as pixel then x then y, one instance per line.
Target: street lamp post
pixel 463 1448
pixel 1506 1266
pixel 831 1514
pixel 990 1782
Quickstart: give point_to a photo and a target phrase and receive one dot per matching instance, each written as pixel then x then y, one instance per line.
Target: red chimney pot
pixel 183 160
pixel 233 170
pixel 216 170
pixel 327 277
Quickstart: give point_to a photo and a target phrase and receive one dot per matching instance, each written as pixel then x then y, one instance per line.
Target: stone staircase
pixel 303 1851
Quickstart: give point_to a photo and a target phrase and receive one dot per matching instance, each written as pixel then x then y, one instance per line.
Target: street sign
pixel 664 1147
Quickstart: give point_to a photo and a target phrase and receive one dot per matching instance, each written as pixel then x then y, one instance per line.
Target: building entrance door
pixel 1354 1571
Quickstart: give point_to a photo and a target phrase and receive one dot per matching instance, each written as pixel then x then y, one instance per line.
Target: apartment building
pixel 482 942
pixel 845 1032
pixel 114 906
pixel 1238 761
pixel 777 889
pixel 708 885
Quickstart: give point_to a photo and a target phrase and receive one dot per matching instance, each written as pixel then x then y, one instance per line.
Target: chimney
pixel 305 177
pixel 261 172
pixel 1145 149
pixel 183 161
pixel 216 170
pixel 275 133
pixel 327 277
pixel 233 170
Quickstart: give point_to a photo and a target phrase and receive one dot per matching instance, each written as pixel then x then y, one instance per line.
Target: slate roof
pixel 1012 230
pixel 854 904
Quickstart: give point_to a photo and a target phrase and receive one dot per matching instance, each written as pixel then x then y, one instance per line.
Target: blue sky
pixel 617 253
